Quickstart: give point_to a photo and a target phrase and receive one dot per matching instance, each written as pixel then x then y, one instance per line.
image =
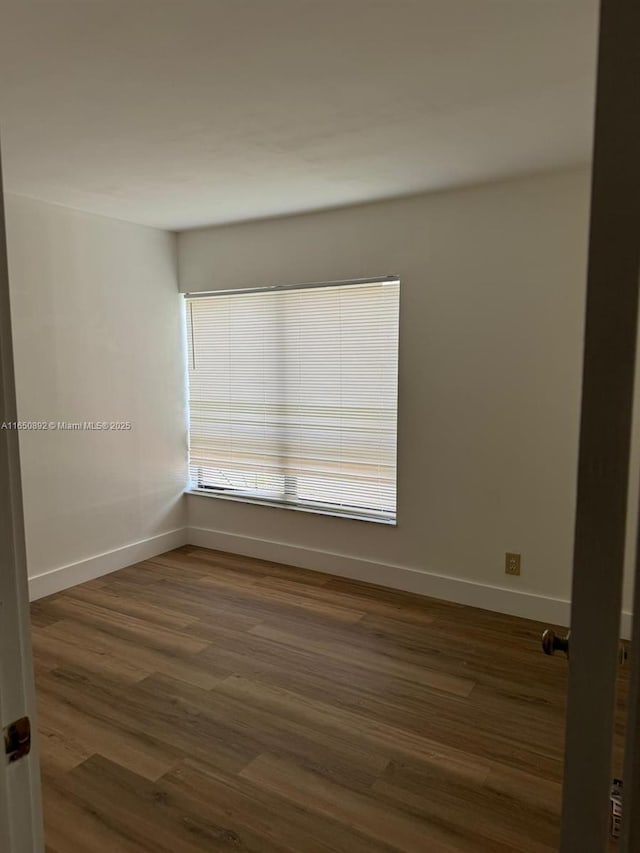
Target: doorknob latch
pixel 17 739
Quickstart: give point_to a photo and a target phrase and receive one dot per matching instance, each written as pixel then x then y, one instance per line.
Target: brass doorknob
pixel 552 643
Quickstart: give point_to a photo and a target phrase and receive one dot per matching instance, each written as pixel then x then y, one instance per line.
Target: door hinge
pixel 17 739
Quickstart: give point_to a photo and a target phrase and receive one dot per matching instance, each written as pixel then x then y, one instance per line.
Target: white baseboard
pixel 529 605
pixel 101 564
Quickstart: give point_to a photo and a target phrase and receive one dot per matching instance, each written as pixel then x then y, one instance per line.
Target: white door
pixel 605 433
pixel 20 807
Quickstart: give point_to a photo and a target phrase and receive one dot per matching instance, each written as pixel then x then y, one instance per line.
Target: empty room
pixel 320 430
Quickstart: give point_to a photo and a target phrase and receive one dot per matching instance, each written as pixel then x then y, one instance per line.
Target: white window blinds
pixel 293 395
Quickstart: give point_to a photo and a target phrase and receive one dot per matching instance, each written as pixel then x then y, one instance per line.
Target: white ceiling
pixel 179 113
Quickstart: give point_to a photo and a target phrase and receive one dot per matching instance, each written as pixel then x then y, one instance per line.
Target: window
pixel 293 395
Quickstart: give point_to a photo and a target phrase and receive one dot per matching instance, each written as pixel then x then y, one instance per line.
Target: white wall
pixel 493 283
pixel 98 337
pixel 492 302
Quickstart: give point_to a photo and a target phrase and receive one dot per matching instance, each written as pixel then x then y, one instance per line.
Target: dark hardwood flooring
pixel 201 701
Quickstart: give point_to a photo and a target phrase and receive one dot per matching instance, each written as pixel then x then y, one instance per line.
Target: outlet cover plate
pixel 512 563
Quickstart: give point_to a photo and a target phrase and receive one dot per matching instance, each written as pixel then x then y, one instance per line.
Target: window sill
pixel 208 493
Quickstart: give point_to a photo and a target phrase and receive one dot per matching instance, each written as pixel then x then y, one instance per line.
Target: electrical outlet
pixel 512 564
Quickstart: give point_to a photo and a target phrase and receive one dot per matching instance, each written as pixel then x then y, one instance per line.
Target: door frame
pixel 20 794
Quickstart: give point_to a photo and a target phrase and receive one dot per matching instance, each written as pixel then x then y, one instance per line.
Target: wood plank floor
pixel 202 701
